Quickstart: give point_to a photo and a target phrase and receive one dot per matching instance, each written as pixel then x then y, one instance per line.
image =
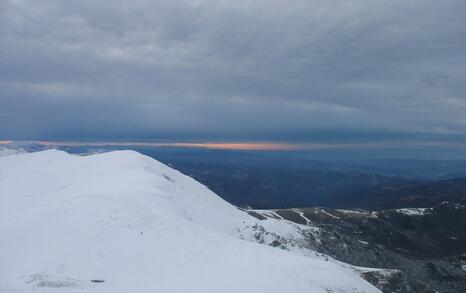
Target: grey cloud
pixel 257 68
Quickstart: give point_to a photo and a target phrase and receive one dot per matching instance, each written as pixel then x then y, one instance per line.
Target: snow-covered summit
pixel 124 222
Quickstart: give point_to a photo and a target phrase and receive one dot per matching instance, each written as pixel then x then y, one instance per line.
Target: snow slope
pixel 69 222
pixel 9 151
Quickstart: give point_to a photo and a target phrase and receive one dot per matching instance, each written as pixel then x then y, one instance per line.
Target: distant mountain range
pixel 277 187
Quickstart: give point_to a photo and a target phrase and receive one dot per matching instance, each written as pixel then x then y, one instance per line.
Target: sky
pixel 315 71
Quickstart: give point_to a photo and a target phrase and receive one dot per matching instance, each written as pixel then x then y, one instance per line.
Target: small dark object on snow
pixel 97 281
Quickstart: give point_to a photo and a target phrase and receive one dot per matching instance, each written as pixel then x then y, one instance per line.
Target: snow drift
pixel 124 222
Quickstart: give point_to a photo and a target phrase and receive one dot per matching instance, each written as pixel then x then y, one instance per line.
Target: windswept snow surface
pixel 124 222
pixel 9 152
pixel 414 211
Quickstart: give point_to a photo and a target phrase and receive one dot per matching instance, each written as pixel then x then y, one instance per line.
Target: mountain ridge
pixel 112 221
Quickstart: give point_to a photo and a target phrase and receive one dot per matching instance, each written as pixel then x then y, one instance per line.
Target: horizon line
pixel 248 145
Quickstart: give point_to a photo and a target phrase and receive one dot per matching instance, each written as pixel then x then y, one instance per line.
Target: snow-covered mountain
pixel 124 222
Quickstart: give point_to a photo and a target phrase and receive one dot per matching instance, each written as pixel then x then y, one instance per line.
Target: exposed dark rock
pixel 425 249
pixel 256 215
pixel 395 281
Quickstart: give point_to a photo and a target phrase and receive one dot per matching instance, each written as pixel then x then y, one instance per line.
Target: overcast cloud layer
pixel 266 70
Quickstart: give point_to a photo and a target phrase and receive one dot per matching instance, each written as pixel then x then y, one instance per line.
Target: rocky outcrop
pixel 423 248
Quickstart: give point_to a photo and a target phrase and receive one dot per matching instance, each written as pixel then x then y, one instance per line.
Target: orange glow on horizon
pixel 254 146
pixel 241 146
pixel 222 146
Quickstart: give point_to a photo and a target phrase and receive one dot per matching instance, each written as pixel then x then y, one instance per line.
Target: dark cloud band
pixel 231 69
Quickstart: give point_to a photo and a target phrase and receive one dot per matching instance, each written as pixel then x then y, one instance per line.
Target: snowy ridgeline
pixel 124 222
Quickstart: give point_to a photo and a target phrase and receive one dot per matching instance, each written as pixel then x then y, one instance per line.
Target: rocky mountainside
pixel 425 247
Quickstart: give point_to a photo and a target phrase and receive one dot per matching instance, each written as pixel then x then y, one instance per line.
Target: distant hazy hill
pixel 426 194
